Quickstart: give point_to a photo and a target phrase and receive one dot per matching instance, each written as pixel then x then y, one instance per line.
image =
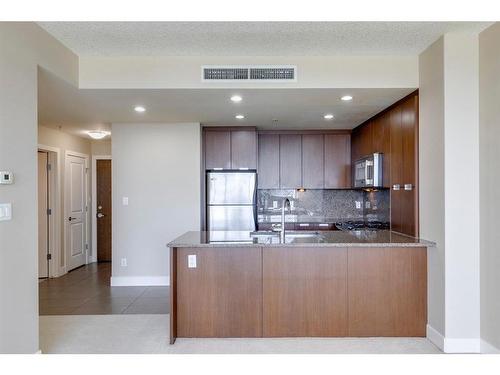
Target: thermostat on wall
pixel 6 177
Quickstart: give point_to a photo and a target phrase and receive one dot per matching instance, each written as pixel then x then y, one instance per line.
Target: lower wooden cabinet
pixel 299 292
pixel 222 296
pixel 387 292
pixel 304 292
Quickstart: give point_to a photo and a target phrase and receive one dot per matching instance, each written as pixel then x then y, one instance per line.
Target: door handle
pixel 71 218
pixel 99 215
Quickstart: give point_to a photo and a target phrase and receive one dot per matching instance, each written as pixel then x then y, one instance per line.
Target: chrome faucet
pixel 286 202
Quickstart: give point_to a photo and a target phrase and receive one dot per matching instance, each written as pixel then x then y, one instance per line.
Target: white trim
pixel 487 348
pixel 140 280
pixel 93 257
pixel 87 193
pixel 435 337
pixel 462 345
pixel 55 203
pixel 453 345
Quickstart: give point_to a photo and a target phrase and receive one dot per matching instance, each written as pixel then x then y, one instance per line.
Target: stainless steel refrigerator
pixel 231 200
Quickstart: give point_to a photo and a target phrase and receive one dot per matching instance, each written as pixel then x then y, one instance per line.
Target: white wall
pixel 449 188
pixel 23 46
pixel 431 176
pixel 489 116
pixel 157 166
pixel 313 72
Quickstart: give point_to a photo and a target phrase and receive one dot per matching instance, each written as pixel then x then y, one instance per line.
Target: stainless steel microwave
pixel 368 171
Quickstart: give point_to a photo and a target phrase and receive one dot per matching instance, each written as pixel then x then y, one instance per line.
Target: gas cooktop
pixel 362 225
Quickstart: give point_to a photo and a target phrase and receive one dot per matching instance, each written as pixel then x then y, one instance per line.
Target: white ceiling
pixel 251 38
pixel 79 110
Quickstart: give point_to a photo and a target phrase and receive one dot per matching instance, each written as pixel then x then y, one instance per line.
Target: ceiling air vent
pixel 261 73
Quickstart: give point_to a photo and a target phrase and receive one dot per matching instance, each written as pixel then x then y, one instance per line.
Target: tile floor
pixel 86 291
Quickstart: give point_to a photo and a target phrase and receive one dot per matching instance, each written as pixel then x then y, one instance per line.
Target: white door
pixel 75 207
pixel 43 222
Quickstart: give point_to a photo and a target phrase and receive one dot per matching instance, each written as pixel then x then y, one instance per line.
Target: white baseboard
pixel 435 337
pixel 39 351
pixel 453 345
pixel 92 259
pixel 487 348
pixel 140 281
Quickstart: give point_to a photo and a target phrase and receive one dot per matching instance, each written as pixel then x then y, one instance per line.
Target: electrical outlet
pixel 358 204
pixel 367 204
pixel 125 201
pixel 275 204
pixel 124 262
pixel 192 261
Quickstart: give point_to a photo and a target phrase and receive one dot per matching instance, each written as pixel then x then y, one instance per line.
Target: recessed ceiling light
pixel 97 134
pixel 346 98
pixel 328 116
pixel 240 117
pixel 236 98
pixel 139 108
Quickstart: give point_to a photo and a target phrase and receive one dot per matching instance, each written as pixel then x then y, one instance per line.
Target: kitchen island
pixel 314 284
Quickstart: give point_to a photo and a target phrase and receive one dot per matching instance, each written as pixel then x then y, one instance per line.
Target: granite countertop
pixel 357 238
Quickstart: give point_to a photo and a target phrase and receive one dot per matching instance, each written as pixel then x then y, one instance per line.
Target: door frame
pixel 87 200
pixel 55 204
pixel 93 257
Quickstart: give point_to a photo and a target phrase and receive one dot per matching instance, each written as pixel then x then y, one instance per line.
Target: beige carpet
pixel 149 334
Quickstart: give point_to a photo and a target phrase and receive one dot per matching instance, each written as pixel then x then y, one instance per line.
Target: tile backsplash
pixel 325 205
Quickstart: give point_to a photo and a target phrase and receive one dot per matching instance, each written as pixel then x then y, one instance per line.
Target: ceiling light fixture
pixel 346 98
pixel 236 98
pixel 97 134
pixel 139 108
pixel 328 116
pixel 240 117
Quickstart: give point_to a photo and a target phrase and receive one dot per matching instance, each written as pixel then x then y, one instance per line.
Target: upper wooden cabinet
pixel 337 161
pixel 394 133
pixel 230 149
pixel 243 149
pixel 217 149
pixel 290 161
pixel 313 161
pixel 269 161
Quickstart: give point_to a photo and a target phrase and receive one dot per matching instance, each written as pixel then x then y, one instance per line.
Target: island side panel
pixel 305 292
pixel 173 294
pixel 387 291
pixel 222 296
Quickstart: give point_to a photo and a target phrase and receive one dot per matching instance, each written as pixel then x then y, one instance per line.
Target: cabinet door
pixel 304 292
pixel 409 135
pixel 396 168
pixel 217 149
pixel 269 161
pixel 387 292
pixel 337 161
pixel 313 159
pixel 381 135
pixel 290 161
pixel 243 149
pixel 222 296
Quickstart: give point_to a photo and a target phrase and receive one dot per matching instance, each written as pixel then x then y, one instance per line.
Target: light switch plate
pixel 192 261
pixel 358 204
pixel 5 211
pixel 125 201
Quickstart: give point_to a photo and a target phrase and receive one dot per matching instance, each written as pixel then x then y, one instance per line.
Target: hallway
pixel 86 291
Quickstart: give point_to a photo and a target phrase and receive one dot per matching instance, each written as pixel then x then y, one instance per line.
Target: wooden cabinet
pixel 387 292
pixel 290 152
pixel 313 161
pixel 304 292
pixel 243 149
pixel 230 148
pixel 269 161
pixel 404 167
pixel 337 161
pixel 217 149
pixel 394 132
pixel 222 296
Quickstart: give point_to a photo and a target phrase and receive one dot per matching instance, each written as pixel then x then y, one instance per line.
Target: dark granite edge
pixel 347 244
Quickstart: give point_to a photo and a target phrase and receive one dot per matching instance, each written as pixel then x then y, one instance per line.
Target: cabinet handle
pixel 409 187
pixel 303 225
pixel 396 187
